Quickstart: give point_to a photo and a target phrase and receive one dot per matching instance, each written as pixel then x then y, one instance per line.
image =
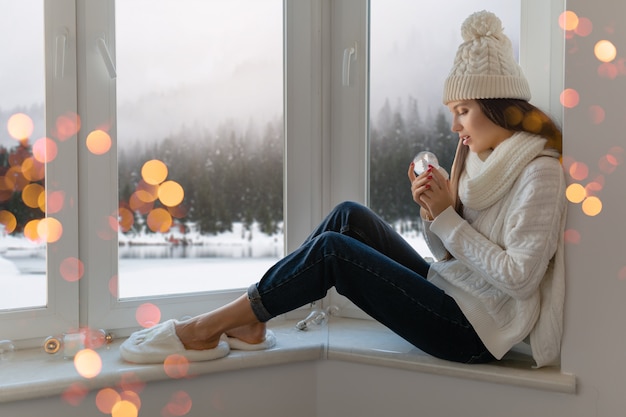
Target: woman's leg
pixel 388 291
pixel 360 222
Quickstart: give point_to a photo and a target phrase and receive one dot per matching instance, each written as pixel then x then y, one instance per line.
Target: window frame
pixel 61 311
pixel 326 151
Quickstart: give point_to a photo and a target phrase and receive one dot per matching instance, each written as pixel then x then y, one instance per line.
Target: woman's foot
pixel 250 333
pixel 194 336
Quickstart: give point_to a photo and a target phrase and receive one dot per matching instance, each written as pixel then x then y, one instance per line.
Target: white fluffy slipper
pixel 268 343
pixel 155 344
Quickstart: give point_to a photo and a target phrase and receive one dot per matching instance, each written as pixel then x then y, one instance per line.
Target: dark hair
pixel 511 114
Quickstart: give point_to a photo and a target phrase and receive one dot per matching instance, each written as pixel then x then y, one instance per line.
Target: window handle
pixel 60 48
pixel 106 57
pixel 349 55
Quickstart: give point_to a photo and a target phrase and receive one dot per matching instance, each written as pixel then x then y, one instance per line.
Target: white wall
pixel 595 339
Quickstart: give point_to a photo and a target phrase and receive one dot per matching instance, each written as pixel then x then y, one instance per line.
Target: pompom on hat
pixel 484 66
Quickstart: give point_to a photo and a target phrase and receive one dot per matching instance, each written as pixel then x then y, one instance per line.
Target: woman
pixel 496 227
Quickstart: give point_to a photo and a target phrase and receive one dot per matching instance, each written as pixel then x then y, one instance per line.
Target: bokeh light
pixel 146 192
pixel 67 125
pixel 592 206
pixel 8 221
pixel 106 399
pixel 126 219
pixel 575 193
pixel 622 273
pixel 132 397
pixel 569 98
pixel 572 236
pixel 88 363
pixel 159 220
pixel 176 366
pixel 98 142
pixel 179 405
pixel 608 70
pixel 605 51
pixel 20 126
pixel 33 170
pixel 31 194
pixel 148 315
pixel 171 193
pixel 72 269
pixel 75 394
pixel 55 201
pixel 154 172
pixel 49 229
pixel 584 27
pixel 597 114
pixel 568 20
pixel 31 230
pixel 579 171
pixel 124 409
pixel 45 150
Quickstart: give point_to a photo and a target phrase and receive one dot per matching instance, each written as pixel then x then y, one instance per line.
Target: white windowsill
pixel 33 373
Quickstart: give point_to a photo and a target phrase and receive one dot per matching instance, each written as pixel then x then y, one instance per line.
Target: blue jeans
pixel 359 254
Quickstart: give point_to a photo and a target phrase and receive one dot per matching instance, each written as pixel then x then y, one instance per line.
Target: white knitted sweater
pixel 507 272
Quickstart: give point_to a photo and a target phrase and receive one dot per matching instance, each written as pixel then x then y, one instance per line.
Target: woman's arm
pixel 528 235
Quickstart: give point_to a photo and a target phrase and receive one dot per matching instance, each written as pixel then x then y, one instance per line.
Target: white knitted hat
pixel 484 66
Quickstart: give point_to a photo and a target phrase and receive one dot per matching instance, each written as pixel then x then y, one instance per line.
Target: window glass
pixel 22 156
pixel 200 143
pixel 412 48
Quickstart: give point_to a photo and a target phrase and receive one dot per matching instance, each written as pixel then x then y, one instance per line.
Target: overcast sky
pixel 222 59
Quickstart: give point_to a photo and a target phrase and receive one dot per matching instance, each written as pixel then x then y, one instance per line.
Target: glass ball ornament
pixel 422 160
pixel 7 350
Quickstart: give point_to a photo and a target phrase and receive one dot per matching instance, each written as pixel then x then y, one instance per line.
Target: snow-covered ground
pixel 151 265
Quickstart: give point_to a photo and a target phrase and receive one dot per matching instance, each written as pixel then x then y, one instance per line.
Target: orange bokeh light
pixel 154 172
pixel 72 269
pixel 106 400
pixel 30 230
pixel 45 150
pixel 31 194
pixel 124 409
pixel 579 171
pixel 605 51
pixel 8 220
pixel 99 142
pixel 570 98
pixel 33 170
pixel 159 220
pixel 147 192
pixel 171 193
pixel 575 193
pixel 148 315
pixel 136 204
pixel 20 126
pixel 568 20
pixel 88 363
pixel 592 206
pixel 50 229
pixel 176 366
pixel 126 219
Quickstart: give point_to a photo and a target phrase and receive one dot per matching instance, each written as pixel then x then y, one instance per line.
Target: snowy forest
pixel 232 177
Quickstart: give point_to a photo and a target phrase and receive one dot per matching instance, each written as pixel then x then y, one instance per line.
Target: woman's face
pixel 474 128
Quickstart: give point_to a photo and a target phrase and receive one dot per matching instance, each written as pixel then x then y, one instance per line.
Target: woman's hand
pixel 431 191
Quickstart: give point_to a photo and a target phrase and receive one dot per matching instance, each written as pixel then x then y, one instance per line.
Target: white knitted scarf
pixel 488 177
